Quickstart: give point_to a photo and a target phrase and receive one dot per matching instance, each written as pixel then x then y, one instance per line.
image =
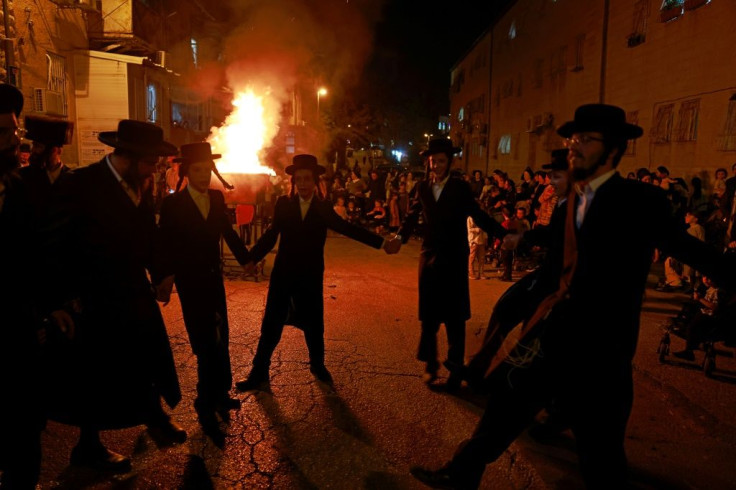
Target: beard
pixel 132 176
pixel 580 174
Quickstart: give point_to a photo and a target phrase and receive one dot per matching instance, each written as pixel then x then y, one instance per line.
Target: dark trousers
pixel 598 415
pixel 304 309
pixel 455 339
pixel 20 451
pixel 205 318
pixel 507 260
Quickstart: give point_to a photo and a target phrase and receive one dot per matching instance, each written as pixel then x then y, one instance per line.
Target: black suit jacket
pixel 299 264
pixel 624 224
pixel 38 187
pixel 443 265
pixel 98 247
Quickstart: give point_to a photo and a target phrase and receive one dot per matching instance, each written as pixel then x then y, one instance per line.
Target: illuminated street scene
pixel 299 244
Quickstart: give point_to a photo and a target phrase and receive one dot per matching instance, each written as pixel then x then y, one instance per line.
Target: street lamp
pixel 426 135
pixel 320 92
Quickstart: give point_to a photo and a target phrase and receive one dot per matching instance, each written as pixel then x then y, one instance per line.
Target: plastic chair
pixel 244 214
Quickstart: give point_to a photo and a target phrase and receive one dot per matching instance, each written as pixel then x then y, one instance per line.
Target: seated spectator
pixel 702 322
pixel 340 208
pixel 377 216
pixel 719 185
pixel 354 213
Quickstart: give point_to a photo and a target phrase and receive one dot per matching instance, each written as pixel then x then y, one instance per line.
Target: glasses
pixel 581 139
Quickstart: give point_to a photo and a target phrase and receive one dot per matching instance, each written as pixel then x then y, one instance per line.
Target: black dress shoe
pixel 321 373
pixel 256 380
pixel 167 433
pixel 100 459
pixel 434 479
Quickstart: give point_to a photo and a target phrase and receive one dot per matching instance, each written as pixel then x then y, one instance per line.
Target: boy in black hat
pixel 120 364
pixel 597 303
pixel 444 202
pixel 49 135
pixel 191 224
pixel 301 220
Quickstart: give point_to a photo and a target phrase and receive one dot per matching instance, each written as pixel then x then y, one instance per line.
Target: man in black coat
pixel 49 135
pixel 301 220
pixel 581 352
pixel 191 224
pixel 444 202
pixel 119 364
pixel 21 405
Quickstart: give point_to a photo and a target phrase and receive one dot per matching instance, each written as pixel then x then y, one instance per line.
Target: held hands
pixel 511 241
pixel 392 246
pixel 163 290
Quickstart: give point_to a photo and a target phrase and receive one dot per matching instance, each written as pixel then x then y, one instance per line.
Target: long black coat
pixel 191 252
pixel 299 265
pixel 444 294
pixel 98 246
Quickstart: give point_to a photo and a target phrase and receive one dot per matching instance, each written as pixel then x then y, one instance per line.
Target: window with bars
pixel 687 123
pixel 662 127
pixel 504 144
pixel 579 46
pixel 152 103
pixel 727 138
pixel 55 96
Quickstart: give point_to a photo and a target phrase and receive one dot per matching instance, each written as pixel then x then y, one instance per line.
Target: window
pixel 662 127
pixel 639 29
pixel 512 30
pixel 727 139
pixel 152 103
pixel 632 118
pixel 687 124
pixel 558 67
pixel 504 144
pixel 195 52
pixel 55 84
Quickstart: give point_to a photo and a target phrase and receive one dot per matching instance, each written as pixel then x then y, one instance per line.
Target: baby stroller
pixel 720 327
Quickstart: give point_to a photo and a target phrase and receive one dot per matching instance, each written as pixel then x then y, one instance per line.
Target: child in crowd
pixel 377 216
pixel 698 326
pixel 340 208
pixel 507 256
pixel 353 212
pixel 394 213
pixel 477 239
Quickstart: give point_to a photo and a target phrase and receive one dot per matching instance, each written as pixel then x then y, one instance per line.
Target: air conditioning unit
pixel 48 102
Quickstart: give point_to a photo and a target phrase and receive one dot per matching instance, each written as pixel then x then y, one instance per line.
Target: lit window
pixel 461 114
pixel 512 30
pixel 195 52
pixel 687 121
pixel 152 103
pixel 504 144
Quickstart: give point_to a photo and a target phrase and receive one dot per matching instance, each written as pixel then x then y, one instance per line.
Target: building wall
pixel 689 61
pixel 45 31
pixel 469 99
pixel 685 66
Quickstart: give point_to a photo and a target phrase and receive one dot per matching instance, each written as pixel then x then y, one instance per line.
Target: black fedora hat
pixel 196 152
pixel 11 99
pixel 559 161
pixel 440 145
pixel 138 137
pixel 49 130
pixel 304 161
pixel 602 118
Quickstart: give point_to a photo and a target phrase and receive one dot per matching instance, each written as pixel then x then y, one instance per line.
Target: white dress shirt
pixel 587 193
pixel 202 200
pixel 438 187
pixel 133 194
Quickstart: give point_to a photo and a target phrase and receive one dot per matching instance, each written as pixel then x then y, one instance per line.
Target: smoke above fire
pixel 275 49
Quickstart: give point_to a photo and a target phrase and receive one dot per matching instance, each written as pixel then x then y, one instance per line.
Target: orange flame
pixel 249 128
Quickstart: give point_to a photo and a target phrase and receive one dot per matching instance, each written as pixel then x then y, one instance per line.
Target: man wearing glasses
pixel 583 341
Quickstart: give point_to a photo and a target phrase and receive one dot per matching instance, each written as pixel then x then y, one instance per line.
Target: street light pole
pixel 320 92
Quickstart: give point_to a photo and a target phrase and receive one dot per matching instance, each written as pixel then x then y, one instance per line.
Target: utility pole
pixel 8 46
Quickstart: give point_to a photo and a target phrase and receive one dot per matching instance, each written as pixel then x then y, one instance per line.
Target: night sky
pixel 416 45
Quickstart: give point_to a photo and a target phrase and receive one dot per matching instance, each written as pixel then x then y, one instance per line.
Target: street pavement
pixel 380 419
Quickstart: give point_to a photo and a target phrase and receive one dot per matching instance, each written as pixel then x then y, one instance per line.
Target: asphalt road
pixel 380 419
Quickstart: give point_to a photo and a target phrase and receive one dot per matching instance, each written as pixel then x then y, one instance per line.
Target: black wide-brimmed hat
pixel 197 152
pixel 11 99
pixel 602 118
pixel 304 162
pixel 559 161
pixel 138 137
pixel 440 145
pixel 49 130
